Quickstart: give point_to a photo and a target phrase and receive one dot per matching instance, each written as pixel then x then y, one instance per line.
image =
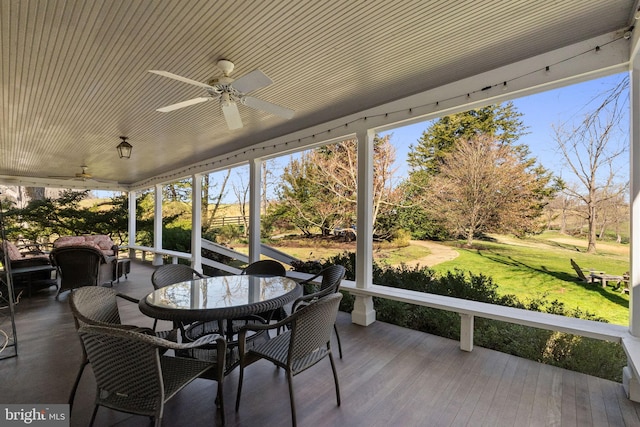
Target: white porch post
pixel 629 373
pixel 196 222
pixel 132 223
pixel 363 312
pixel 157 224
pixel 254 209
pixel 634 200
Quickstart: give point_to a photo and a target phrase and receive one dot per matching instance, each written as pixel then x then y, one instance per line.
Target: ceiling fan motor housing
pixel 226 66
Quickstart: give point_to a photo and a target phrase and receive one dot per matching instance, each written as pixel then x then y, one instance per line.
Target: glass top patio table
pixel 220 297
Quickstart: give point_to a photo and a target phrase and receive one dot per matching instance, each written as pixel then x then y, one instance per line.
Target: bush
pixel 586 355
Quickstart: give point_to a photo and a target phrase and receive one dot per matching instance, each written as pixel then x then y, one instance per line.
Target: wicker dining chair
pixel 133 376
pixel 98 306
pixel 265 267
pixel 332 277
pixel 306 343
pixel 169 274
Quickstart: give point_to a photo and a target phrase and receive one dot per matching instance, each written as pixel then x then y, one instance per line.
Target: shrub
pixel 586 355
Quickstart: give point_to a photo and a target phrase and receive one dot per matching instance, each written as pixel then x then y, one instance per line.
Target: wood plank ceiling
pixel 74 73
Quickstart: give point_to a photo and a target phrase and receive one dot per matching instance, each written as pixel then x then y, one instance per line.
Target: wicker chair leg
pixel 291 399
pixel 93 416
pixel 335 328
pixel 155 323
pixel 335 378
pixel 72 396
pixel 221 402
pixel 241 377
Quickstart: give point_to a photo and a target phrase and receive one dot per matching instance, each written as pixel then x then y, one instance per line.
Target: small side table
pixel 123 267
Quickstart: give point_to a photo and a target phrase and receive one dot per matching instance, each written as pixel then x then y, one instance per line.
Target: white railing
pixel 466 309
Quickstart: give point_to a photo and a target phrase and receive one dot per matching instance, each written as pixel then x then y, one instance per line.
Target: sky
pixel 539 113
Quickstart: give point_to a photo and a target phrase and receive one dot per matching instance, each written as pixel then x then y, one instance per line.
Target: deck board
pixel 389 376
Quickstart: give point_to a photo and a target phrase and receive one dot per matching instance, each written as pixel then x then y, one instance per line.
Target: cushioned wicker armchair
pixel 305 344
pixel 98 306
pixel 82 266
pixel 31 258
pixel 131 374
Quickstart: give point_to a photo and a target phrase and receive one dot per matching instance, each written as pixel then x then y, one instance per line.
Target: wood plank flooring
pixel 389 376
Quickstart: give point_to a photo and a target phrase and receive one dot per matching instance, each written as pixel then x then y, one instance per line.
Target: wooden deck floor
pixel 389 376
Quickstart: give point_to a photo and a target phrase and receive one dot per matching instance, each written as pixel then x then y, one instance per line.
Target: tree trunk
pixel 591 247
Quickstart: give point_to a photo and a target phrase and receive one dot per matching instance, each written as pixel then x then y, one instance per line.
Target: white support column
pixel 157 224
pixel 132 223
pixel 254 209
pixel 466 332
pixel 196 222
pixel 634 200
pixel 363 311
pixel 630 372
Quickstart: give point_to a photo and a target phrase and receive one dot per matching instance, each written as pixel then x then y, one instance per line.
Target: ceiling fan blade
pixel 269 107
pixel 184 104
pixel 252 81
pixel 231 115
pixel 179 78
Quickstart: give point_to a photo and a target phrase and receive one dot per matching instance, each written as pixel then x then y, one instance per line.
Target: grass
pixel 540 266
pixel 390 256
pixel 528 268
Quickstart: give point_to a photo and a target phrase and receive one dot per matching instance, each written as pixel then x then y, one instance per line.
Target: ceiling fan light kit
pixel 230 92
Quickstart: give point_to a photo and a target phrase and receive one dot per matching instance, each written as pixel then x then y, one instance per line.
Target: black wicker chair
pixel 133 376
pixel 169 274
pixel 332 277
pixel 265 267
pixel 98 306
pixel 305 344
pixel 81 266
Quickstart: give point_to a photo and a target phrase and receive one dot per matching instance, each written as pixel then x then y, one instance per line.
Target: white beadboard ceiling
pixel 74 73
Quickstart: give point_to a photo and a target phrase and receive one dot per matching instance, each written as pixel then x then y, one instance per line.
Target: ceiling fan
pixel 229 92
pixel 82 176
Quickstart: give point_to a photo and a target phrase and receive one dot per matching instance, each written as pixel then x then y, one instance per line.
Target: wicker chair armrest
pixel 31 261
pixel 255 327
pixel 305 300
pixel 206 340
pixel 311 279
pixel 142 334
pixel 128 298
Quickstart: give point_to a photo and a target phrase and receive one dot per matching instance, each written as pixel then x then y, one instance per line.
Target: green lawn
pixel 533 267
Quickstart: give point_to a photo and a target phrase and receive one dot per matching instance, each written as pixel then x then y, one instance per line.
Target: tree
pixel 484 185
pixel 321 185
pixel 500 121
pixel 209 214
pixel 590 151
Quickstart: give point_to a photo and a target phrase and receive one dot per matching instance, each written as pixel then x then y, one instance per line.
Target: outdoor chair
pixel 332 277
pixel 306 343
pixel 596 276
pixel 81 266
pixel 133 376
pixel 98 306
pixel 265 267
pixel 169 274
